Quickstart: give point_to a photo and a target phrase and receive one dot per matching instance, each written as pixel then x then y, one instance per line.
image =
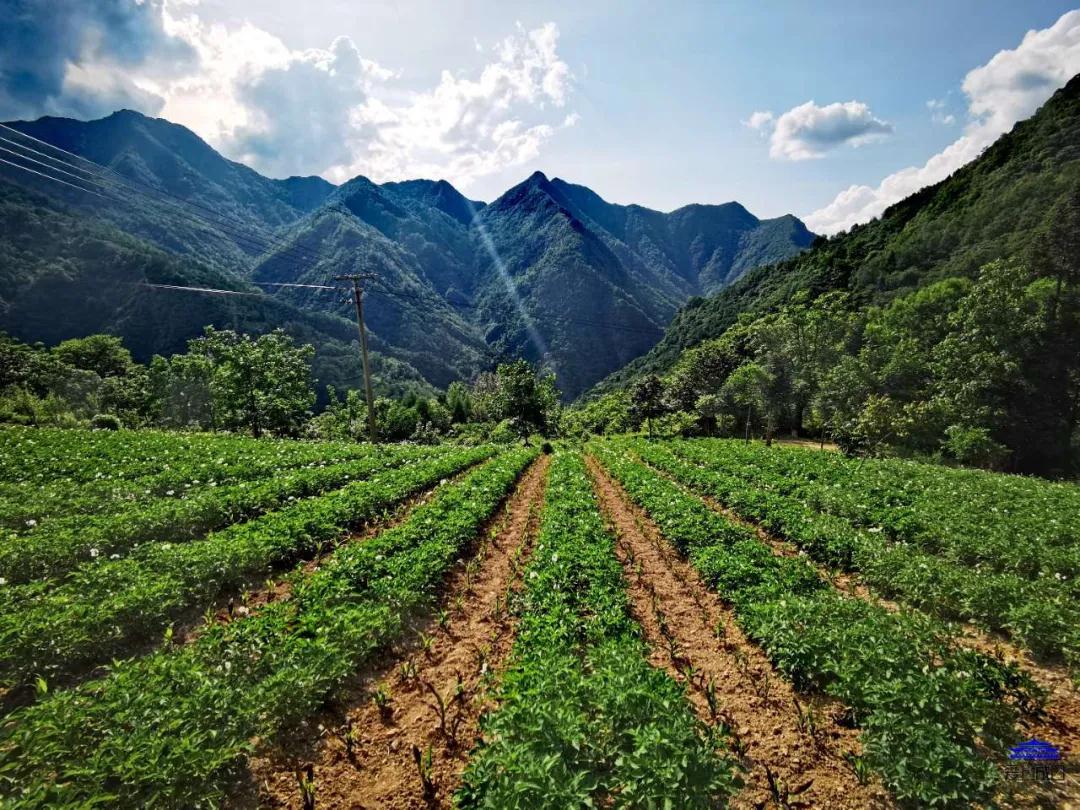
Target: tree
pixel 181 388
pixel 647 400
pixel 459 402
pixel 747 387
pixel 519 393
pixel 105 355
pixel 262 384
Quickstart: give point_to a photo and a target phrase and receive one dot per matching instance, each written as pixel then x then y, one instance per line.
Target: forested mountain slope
pixel 992 208
pixel 950 326
pixel 549 271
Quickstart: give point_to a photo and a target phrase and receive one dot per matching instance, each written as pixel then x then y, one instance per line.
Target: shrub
pixel 105 421
pixel 974 447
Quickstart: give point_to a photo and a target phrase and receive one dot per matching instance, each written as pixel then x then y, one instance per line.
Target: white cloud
pixel 1008 88
pixel 938 113
pixel 809 131
pixel 325 111
pixel 761 121
pixel 468 127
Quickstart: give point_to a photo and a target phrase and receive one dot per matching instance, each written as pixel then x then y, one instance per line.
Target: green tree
pixel 647 400
pixel 520 393
pixel 262 384
pixel 459 401
pixel 105 355
pixel 747 388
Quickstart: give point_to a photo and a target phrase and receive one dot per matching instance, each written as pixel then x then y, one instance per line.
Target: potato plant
pixel 1040 612
pixel 101 610
pixel 925 708
pixel 171 729
pixel 584 720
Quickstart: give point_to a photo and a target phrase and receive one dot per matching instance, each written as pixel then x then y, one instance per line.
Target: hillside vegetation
pixel 549 271
pixel 949 326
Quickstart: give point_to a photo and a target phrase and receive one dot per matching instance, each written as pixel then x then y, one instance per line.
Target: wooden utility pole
pixel 358 299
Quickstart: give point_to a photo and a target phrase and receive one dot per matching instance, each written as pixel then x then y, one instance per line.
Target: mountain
pixel 995 207
pixel 549 271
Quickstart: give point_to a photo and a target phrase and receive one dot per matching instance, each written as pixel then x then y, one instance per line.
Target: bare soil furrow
pixel 792 746
pixel 1057 720
pixel 424 699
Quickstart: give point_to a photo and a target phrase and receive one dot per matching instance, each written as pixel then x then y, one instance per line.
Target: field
pixel 206 620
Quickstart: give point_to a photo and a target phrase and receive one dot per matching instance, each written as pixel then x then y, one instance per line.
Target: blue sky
pixel 645 103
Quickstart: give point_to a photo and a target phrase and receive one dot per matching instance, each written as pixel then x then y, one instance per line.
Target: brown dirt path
pixel 363 756
pixel 787 757
pixel 1057 721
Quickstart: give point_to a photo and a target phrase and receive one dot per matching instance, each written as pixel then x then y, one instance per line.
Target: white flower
pixel 93 552
pixel 31 522
pixel 3 581
pixel 114 556
pixel 171 492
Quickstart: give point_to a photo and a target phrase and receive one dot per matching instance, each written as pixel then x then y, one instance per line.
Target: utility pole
pixel 358 299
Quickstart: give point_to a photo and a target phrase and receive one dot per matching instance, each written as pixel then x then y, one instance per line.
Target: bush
pixel 506 432
pixel 974 447
pixel 105 421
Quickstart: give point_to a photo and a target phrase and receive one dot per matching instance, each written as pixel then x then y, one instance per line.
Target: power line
pixel 201 289
pixel 265 242
pixel 561 318
pixel 57 179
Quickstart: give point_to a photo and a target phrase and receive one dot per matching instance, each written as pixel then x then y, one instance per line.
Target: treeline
pixel 258 385
pixel 985 372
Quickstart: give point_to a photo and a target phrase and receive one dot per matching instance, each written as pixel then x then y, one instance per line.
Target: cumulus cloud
pixel 73 57
pixel 809 131
pixel 938 112
pixel 466 127
pixel 327 111
pixel 334 113
pixel 760 121
pixel 1008 88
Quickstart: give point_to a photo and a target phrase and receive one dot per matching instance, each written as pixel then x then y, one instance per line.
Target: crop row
pixel 28 504
pixel 60 545
pixel 584 720
pixel 172 728
pixel 924 706
pixel 103 610
pixel 39 455
pixel 1025 527
pixel 1040 614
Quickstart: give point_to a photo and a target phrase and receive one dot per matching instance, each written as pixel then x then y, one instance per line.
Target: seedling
pixel 306 780
pixel 425 767
pixel 350 738
pixel 859 766
pixel 407 670
pixel 711 699
pixel 381 698
pixel 777 788
pixel 427 643
pixel 807 719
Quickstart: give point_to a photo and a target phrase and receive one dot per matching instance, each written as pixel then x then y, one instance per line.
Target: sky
pixel 830 111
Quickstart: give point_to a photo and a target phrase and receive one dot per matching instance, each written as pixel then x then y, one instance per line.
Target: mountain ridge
pixel 493 279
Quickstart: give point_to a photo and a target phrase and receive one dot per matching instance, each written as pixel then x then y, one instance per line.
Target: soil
pixel 787 762
pixel 278 588
pixel 360 756
pixel 1056 721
